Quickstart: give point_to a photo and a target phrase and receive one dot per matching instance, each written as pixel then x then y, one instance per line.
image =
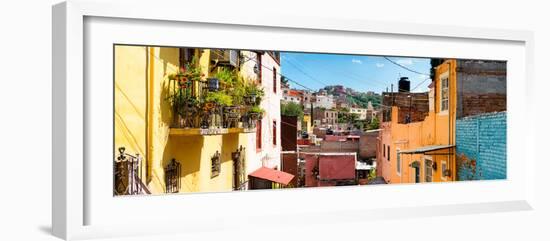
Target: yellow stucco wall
pixel 130 100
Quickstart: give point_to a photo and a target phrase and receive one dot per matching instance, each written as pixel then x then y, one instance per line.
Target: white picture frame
pixel 71 191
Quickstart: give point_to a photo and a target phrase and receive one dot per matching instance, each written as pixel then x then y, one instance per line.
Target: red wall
pixel 331 167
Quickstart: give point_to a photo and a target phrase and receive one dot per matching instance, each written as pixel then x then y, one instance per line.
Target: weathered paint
pixel 482 138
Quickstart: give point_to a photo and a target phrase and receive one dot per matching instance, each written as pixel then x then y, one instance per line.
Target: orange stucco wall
pixel 438 128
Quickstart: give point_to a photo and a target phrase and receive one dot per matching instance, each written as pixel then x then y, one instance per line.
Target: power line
pixel 404 67
pixel 306 74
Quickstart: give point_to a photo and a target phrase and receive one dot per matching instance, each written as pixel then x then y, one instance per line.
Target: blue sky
pixel 360 72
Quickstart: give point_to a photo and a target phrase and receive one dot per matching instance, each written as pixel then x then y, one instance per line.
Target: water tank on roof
pixel 404 84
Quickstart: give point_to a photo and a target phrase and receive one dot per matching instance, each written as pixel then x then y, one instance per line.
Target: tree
pixel 374 124
pixel 292 109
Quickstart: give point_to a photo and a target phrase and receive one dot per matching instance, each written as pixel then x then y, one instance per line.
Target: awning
pixel 425 149
pixel 272 175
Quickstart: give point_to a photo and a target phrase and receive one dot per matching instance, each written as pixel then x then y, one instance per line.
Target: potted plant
pixel 255 112
pixel 215 102
pixel 184 104
pixel 253 94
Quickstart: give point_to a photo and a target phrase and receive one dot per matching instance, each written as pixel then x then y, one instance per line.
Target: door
pixel 416 174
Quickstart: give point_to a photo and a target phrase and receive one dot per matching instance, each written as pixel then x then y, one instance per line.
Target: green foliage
pixel 344 117
pixel 253 88
pixel 219 98
pixel 228 78
pixel 256 109
pixel 233 85
pixel 374 124
pixel 179 85
pixel 362 100
pixel 292 109
pixel 372 174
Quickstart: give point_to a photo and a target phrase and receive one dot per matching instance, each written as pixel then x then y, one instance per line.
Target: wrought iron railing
pixel 127 174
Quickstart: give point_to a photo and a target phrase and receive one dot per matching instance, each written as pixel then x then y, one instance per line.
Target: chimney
pixel 404 84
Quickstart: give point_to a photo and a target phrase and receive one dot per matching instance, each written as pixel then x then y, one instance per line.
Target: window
pixel 274 80
pixel 259 135
pixel 398 162
pixel 388 152
pixel 428 170
pixel 260 67
pixel 215 165
pixel 274 133
pixel 443 169
pixel 444 93
pixel 384 150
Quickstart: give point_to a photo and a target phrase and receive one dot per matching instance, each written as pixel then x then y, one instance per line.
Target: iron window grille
pixel 216 164
pixel 172 174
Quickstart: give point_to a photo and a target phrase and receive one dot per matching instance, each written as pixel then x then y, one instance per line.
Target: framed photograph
pixel 169 123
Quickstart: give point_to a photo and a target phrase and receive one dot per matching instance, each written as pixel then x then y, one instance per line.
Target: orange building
pixel 416 151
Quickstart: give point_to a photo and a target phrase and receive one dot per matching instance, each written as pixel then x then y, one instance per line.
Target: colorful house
pixel 462 135
pixel 212 159
pixel 416 146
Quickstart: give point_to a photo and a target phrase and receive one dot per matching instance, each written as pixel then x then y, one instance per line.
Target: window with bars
pixel 444 103
pixel 215 164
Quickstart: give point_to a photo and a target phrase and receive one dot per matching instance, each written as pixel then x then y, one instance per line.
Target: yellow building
pixel 423 151
pixel 144 124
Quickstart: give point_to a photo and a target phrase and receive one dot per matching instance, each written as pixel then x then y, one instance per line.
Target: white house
pixel 264 67
pixel 361 112
pixel 324 101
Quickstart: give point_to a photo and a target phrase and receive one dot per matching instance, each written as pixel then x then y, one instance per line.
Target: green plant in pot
pixel 253 94
pixel 215 102
pixel 180 84
pixel 256 112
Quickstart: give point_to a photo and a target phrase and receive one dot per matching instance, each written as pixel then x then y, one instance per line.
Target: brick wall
pixel 414 104
pixel 481 140
pixel 367 145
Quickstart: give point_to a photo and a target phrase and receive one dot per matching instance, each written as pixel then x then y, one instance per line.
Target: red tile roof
pixel 272 175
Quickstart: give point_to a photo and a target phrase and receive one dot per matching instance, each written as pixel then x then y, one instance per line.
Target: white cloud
pixel 379 65
pixel 356 61
pixel 405 61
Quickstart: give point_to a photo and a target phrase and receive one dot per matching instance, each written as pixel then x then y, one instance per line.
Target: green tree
pixel 374 124
pixel 292 109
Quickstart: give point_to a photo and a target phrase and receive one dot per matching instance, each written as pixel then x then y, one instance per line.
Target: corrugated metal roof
pixel 272 175
pixel 425 149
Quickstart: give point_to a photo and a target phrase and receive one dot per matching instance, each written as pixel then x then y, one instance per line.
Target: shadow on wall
pixel 188 151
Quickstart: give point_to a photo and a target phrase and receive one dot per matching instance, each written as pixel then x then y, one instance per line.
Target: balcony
pixel 222 104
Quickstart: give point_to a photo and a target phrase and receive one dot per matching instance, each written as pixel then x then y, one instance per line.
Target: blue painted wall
pixel 482 138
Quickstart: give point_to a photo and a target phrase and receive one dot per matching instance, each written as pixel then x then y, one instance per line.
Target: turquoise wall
pixel 482 138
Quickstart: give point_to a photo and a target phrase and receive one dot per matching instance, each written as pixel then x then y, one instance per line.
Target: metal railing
pixel 128 171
